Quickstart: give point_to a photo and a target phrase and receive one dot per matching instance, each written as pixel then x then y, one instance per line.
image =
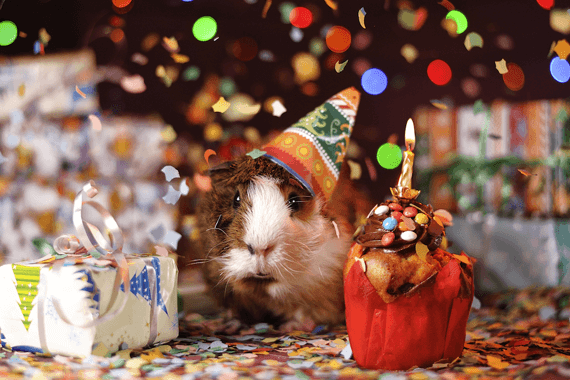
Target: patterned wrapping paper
pixel 85 293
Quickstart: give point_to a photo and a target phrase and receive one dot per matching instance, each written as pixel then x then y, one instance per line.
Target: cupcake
pixel 407 299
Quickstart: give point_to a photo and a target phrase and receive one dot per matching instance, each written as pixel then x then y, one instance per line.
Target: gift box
pixel 418 328
pixel 86 295
pixel 84 292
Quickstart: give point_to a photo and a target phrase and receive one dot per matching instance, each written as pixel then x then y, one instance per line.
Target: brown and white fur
pixel 271 251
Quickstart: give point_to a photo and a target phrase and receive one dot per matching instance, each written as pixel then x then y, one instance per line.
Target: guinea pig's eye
pixel 237 200
pixel 294 202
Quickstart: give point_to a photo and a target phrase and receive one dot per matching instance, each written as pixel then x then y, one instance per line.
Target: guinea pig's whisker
pixel 216 228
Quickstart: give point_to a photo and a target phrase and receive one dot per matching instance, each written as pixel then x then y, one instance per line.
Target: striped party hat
pixel 313 148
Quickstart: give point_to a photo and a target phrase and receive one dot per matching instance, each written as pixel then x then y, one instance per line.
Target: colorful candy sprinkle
pixel 408 235
pixel 421 218
pixel 388 238
pixel 389 224
pixel 381 210
pixel 395 206
pixel 410 212
pixel 402 226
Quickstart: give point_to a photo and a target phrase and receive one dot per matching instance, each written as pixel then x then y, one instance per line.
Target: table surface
pixel 516 334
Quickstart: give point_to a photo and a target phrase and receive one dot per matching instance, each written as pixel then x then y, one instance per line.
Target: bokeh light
pixel 244 49
pixel 227 86
pixel 389 156
pixel 301 17
pixel 117 35
pixel 514 79
pixel 360 65
pixel 439 72
pixel 374 81
pixel 362 40
pixel 470 87
pixel 316 46
pixel 338 39
pixel 306 67
pixel 191 73
pixel 285 9
pixel 121 3
pixel 205 28
pixel 546 4
pixel 459 19
pixel 560 69
pixel 8 32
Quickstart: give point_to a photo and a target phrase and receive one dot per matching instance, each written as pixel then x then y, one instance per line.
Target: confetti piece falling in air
pixel 444 216
pixel 180 58
pixel 172 196
pixel 8 32
pixel 256 153
pixel 560 69
pixel 546 4
pixel 81 93
pixel 332 4
pixel 248 109
pixel 526 173
pixel 221 105
pixel 300 17
pixel 514 78
pixel 501 66
pixel 472 40
pixel 170 172
pixel 95 123
pixel 205 28
pixel 171 238
pixel 170 44
pixel 338 39
pixel 161 251
pixel 389 155
pixel 409 52
pixel 207 154
pixel 374 81
pixel 184 188
pixel 361 15
pixel 355 170
pixel 22 34
pixel 338 67
pixel 422 250
pixel 447 4
pixel 22 90
pixel 266 8
pixel 336 229
pixel 560 20
pixel 278 108
pixel 459 19
pixel 439 72
pixel 439 104
pixel 562 48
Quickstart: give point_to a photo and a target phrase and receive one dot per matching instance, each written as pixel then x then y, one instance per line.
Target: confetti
pixel 336 229
pixel 361 14
pixel 439 104
pixel 266 8
pixel 501 66
pixel 355 170
pixel 81 93
pixel 95 123
pixel 248 109
pixel 205 28
pixel 171 238
pixel 332 4
pixel 525 172
pixel 562 48
pixel 472 40
pixel 447 4
pixel 463 259
pixel 184 188
pixel 172 196
pixel 170 172
pixel 21 90
pixel 179 58
pixel 256 153
pixel 338 67
pixel 278 108
pixel 422 250
pixel 221 105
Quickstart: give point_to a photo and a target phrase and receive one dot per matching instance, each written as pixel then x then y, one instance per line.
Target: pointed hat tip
pixel 352 95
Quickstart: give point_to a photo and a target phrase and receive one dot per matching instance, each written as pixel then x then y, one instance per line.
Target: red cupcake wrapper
pixel 415 330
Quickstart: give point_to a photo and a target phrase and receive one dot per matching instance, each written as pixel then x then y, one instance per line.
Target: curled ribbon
pixel 89 239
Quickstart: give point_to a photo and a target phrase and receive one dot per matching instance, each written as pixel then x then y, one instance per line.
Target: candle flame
pixel 410 135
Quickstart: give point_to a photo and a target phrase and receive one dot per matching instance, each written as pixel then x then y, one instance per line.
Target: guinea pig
pixel 272 251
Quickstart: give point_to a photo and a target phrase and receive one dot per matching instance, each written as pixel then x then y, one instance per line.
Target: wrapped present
pixel 88 296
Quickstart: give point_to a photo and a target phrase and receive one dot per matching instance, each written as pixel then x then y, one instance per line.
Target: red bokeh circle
pixel 439 72
pixel 514 79
pixel 301 17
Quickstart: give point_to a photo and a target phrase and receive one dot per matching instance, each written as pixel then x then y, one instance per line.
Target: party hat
pixel 313 148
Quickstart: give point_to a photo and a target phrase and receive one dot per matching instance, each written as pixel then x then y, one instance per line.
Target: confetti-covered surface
pixel 518 334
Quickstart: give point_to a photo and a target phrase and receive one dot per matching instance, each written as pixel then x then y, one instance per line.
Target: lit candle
pixel 405 180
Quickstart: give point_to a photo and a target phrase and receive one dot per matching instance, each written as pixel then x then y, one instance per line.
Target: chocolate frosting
pixel 370 235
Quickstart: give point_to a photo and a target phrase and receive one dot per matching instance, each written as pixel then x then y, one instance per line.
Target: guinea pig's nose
pixel 260 251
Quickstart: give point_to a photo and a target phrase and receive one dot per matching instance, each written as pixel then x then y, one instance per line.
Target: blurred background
pixel 119 90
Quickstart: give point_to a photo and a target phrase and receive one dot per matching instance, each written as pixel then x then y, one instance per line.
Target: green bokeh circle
pixel 389 156
pixel 205 28
pixel 459 19
pixel 8 33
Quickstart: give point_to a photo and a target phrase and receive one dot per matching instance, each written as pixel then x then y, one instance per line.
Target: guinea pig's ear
pixel 221 172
